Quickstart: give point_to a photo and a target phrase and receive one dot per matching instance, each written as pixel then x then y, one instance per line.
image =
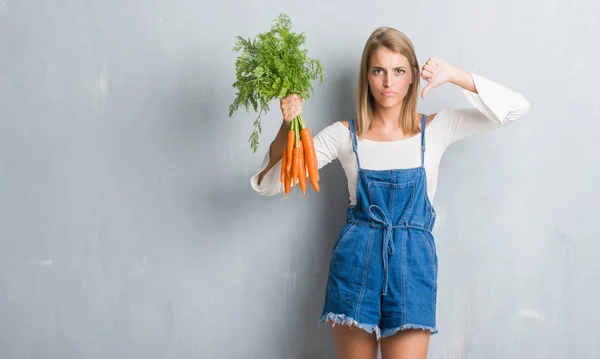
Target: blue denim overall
pixel 383 271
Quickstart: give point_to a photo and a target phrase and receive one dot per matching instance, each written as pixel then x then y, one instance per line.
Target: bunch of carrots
pixel 299 158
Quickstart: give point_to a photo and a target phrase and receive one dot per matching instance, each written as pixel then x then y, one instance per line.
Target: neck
pixel 387 117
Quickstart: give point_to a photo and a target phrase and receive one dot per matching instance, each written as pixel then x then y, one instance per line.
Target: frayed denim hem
pixel 342 319
pixel 390 332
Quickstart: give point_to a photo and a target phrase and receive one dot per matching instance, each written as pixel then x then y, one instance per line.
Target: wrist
pixel 458 76
pixel 463 79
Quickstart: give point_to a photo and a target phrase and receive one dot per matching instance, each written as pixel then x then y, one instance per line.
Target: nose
pixel 387 81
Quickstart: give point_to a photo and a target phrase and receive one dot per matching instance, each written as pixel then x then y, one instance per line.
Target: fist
pixel 291 107
pixel 436 72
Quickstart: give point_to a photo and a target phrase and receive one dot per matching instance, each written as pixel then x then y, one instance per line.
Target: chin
pixel 389 102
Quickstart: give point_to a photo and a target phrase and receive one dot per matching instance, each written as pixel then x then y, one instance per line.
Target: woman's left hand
pixel 436 72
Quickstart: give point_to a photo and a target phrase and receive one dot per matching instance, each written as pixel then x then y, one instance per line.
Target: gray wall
pixel 128 228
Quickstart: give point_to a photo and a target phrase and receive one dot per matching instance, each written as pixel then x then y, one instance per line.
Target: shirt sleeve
pixel 494 106
pixel 327 147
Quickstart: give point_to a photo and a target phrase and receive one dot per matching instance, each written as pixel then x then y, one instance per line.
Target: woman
pixel 383 270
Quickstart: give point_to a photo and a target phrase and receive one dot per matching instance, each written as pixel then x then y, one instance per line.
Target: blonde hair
pixel 397 41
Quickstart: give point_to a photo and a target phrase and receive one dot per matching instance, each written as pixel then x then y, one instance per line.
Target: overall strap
pixel 354 141
pixel 423 125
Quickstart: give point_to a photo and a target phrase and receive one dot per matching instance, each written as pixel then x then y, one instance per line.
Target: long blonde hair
pixel 396 41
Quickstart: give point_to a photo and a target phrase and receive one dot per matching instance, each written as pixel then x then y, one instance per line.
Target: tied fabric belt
pixel 380 219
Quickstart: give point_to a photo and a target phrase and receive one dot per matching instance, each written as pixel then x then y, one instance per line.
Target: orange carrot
pixel 301 168
pixel 290 145
pixel 314 156
pixel 286 183
pixel 295 160
pixel 283 166
pixel 310 157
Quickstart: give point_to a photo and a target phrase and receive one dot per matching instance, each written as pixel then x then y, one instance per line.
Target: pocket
pixel 395 199
pixel 344 233
pixel 431 250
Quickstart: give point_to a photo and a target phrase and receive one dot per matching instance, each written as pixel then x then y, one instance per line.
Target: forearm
pixel 493 105
pixel 291 107
pixel 278 144
pixel 276 149
pixel 463 79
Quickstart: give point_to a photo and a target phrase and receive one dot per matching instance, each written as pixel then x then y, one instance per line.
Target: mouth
pixel 388 93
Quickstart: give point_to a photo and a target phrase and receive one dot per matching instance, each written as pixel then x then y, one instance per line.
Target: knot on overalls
pixel 378 215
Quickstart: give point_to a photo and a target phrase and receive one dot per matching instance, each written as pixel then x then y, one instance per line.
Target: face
pixel 389 77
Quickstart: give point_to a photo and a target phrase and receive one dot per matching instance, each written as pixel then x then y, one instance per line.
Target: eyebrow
pixel 396 67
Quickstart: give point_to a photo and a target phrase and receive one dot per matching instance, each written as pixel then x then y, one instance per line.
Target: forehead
pixel 386 57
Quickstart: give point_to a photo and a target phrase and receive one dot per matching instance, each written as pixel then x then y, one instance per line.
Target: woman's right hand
pixel 291 107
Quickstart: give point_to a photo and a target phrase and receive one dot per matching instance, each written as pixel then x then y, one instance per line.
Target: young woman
pixel 382 283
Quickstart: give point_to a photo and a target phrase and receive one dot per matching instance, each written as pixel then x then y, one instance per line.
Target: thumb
pixel 427 88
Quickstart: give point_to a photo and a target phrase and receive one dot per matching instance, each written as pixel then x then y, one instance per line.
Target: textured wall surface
pixel 128 228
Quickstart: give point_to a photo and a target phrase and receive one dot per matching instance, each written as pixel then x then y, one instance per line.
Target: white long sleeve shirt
pixel 494 106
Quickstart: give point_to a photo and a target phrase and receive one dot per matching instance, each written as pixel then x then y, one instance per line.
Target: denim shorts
pixel 354 293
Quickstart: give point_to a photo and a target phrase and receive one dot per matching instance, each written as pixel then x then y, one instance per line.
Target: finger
pixel 425 90
pixel 291 116
pixel 291 104
pixel 428 88
pixel 432 61
pixel 291 98
pixel 429 68
pixel 294 110
pixel 426 74
pixel 292 101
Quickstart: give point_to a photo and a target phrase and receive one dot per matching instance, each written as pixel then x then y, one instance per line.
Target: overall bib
pixel 383 270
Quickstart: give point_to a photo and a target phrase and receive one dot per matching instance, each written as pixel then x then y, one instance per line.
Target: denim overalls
pixel 383 271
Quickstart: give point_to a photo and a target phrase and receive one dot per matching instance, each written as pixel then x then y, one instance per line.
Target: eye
pixel 376 71
pixel 400 71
